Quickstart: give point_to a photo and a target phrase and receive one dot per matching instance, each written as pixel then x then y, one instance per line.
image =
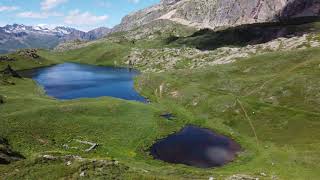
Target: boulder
pixel 241 177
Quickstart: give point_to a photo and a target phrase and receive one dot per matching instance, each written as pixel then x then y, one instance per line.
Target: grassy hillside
pixel 24 62
pixel 268 103
pixel 115 49
pixel 273 96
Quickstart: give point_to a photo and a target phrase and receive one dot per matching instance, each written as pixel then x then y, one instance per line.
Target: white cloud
pixel 75 17
pixel 134 1
pixel 8 8
pixel 38 15
pixel 50 4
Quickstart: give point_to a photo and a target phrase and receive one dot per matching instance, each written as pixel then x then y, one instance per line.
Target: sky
pixel 81 14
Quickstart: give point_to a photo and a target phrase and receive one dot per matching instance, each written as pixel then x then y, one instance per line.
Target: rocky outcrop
pixel 168 59
pixel 158 29
pixel 97 33
pixel 169 2
pixel 215 14
pixel 300 8
pixel 241 177
pixel 30 53
pixel 87 36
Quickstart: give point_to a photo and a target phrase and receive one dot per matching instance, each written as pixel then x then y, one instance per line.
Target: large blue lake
pixel 72 81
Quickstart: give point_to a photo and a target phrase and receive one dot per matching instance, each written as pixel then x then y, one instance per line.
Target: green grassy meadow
pixel 268 103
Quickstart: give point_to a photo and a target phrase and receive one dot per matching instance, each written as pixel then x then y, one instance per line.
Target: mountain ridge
pixel 215 14
pixel 17 36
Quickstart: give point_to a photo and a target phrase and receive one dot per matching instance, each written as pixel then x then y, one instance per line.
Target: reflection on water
pixel 197 147
pixel 71 81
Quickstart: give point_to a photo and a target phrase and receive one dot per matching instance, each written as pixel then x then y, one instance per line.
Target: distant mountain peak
pixel 43 36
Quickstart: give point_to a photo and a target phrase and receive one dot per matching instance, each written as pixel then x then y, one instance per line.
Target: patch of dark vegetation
pixel 168 116
pixel 171 39
pixel 2 99
pixel 6 59
pixel 207 39
pixel 8 71
pixel 7 155
pixel 6 76
pixel 5 80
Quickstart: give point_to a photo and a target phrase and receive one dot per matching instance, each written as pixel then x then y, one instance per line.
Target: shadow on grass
pixel 207 39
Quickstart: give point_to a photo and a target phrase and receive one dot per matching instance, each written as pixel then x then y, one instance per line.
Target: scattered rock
pixel 68 159
pixel 241 177
pixel 65 146
pixel 69 163
pixel 263 174
pixel 175 94
pixel 82 174
pixel 49 157
pixel 166 59
pixel 32 53
pixel 70 45
pixel 115 162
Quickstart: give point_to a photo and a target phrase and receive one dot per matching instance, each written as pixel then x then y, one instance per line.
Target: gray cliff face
pixel 298 8
pixel 140 18
pixel 169 2
pixel 220 13
pixel 97 33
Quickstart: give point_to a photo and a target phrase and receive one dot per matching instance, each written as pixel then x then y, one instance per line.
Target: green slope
pixel 268 103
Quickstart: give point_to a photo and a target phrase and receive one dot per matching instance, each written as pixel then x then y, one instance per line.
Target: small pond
pixel 197 147
pixel 72 81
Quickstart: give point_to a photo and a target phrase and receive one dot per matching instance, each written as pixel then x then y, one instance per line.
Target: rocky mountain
pixel 215 14
pixel 18 36
pixel 97 33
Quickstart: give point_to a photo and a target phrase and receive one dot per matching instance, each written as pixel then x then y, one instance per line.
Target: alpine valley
pixel 184 89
